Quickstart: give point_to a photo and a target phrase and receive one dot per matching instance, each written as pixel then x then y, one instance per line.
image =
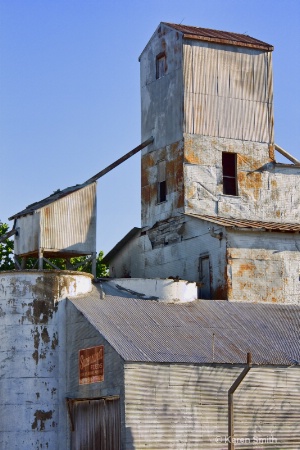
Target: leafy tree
pixel 101 269
pixel 6 250
pixel 7 261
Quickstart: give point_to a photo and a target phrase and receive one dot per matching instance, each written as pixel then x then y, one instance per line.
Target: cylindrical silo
pixel 32 356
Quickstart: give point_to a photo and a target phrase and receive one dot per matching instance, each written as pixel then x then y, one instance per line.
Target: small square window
pixel 160 65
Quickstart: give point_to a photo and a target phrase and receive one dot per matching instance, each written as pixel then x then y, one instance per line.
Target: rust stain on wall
pixel 192 153
pixel 40 419
pixel 220 293
pixel 250 181
pixel 45 335
pixel 146 164
pixel 39 311
pixel 272 152
pixel 246 267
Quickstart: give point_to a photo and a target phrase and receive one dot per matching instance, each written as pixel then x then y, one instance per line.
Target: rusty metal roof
pixel 251 224
pixel 221 37
pixel 202 331
pixel 57 195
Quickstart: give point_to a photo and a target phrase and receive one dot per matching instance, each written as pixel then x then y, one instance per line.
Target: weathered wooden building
pixel 216 206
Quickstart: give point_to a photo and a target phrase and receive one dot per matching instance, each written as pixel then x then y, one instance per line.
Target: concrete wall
pixel 171 406
pixel 266 191
pixel 173 248
pixel 32 332
pixel 162 99
pixel 243 266
pixel 263 267
pixel 152 209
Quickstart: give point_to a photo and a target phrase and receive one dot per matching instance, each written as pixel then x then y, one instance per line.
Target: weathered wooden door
pixel 96 424
pixel 204 272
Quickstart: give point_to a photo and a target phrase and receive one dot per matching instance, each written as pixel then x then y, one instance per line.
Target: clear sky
pixel 70 92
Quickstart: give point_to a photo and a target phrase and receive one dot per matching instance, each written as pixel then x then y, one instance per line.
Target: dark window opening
pixel 229 173
pixel 162 191
pixel 161 182
pixel 160 65
pixel 204 290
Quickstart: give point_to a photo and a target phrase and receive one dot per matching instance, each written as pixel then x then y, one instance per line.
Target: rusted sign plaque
pixel 91 365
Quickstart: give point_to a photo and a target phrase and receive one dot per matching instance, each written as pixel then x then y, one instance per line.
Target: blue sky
pixel 70 92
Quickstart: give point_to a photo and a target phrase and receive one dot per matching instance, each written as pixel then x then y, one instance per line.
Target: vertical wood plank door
pixel 96 424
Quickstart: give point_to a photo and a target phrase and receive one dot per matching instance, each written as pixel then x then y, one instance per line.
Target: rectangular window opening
pixel 229 165
pixel 160 65
pixel 161 182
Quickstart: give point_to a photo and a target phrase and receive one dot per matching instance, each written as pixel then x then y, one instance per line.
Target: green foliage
pixel 6 250
pixel 7 262
pixel 101 269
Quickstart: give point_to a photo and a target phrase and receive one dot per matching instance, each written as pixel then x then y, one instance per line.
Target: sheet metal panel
pixel 236 118
pixel 247 78
pixel 230 91
pixel 270 98
pixel 145 330
pixel 185 407
pixel 188 68
pixel 27 239
pixel 69 224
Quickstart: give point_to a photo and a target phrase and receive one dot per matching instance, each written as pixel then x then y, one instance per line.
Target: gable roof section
pixel 57 195
pixel 220 37
pixel 199 332
pixel 249 224
pixel 127 238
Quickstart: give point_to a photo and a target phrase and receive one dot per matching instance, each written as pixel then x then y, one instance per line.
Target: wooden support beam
pixel 120 160
pixel 8 234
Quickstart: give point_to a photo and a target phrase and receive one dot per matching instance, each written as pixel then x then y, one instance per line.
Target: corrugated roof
pixel 222 37
pixel 251 224
pixel 203 331
pixel 57 195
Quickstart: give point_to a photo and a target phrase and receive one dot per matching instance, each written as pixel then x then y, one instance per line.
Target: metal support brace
pixel 231 391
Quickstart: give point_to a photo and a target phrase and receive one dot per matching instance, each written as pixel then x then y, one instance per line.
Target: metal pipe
pixel 231 391
pixel 287 155
pixel 120 160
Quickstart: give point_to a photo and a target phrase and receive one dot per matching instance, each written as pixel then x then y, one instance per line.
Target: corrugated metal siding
pixel 185 407
pixel 231 92
pixel 70 223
